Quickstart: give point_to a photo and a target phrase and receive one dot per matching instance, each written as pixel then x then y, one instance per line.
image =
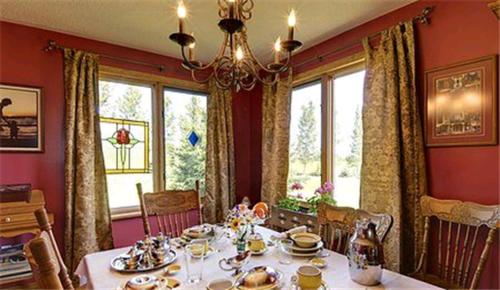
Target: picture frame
pixel 21 118
pixel 461 104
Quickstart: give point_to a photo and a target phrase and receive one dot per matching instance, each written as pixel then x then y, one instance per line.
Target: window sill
pixel 122 213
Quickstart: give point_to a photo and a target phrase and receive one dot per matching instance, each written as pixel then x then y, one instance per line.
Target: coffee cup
pixel 309 277
pixel 220 284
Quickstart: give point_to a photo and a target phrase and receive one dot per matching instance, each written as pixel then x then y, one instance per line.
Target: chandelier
pixel 235 65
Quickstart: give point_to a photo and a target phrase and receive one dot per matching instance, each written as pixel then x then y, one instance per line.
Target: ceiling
pixel 146 24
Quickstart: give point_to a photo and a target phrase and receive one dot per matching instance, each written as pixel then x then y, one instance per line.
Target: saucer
pixel 323 286
pixel 261 252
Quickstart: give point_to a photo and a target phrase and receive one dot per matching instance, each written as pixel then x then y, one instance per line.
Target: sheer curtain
pixel 393 176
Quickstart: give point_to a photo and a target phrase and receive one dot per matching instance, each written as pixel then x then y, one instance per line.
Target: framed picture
pixel 21 128
pixel 461 104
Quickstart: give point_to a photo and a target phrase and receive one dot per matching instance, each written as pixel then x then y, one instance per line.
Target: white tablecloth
pixel 95 268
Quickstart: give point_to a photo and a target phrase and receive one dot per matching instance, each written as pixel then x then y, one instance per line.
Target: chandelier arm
pixel 204 81
pixel 204 67
pixel 263 80
pixel 264 68
pixel 223 62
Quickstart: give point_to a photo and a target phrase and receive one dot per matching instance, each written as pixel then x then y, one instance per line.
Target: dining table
pixel 95 270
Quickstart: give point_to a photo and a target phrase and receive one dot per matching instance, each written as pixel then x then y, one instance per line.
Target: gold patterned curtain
pixel 393 176
pixel 275 139
pixel 220 179
pixel 88 220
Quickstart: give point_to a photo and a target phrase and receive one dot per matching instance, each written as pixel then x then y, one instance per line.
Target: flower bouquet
pixel 241 220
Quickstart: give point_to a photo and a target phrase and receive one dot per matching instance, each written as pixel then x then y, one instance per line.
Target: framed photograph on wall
pixel 461 106
pixel 21 127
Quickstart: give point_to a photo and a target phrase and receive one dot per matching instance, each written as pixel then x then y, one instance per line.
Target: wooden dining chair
pixel 44 256
pixel 172 209
pixel 47 270
pixel 458 247
pixel 337 224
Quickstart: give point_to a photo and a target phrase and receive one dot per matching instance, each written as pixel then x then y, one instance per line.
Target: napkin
pixel 287 234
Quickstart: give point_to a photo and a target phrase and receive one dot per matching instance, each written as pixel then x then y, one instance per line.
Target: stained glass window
pixel 126 112
pixel 126 143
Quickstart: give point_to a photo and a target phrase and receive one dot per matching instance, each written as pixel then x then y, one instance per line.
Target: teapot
pixel 256 243
pixel 365 254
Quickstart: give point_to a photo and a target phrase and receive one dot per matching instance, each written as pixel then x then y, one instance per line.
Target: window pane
pixel 348 101
pixel 126 132
pixel 305 139
pixel 185 139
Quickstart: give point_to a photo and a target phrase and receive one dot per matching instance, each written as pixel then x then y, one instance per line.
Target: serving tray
pixel 119 263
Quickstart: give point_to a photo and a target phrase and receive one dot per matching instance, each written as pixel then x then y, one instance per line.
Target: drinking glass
pixel 220 239
pixel 194 262
pixel 283 248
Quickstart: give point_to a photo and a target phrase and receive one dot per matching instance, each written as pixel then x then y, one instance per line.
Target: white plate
pixel 304 250
pixel 276 274
pixel 296 254
pixel 203 231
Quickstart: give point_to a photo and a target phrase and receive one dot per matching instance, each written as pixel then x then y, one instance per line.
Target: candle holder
pixel 291 45
pixel 231 25
pixel 276 66
pixel 183 39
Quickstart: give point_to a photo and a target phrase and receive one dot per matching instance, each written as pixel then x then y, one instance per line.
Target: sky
pixel 23 102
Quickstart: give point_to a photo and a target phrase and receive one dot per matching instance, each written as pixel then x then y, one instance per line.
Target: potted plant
pixel 294 210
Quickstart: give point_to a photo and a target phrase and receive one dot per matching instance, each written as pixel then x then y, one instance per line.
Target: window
pixel 326 135
pixel 348 101
pixel 305 138
pixel 185 138
pixel 151 134
pixel 126 132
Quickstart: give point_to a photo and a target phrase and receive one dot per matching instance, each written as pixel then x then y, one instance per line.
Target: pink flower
pixel 296 186
pixel 300 196
pixel 328 186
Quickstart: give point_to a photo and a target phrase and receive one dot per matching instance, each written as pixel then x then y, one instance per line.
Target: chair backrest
pixel 458 227
pixel 171 208
pixel 44 224
pixel 46 264
pixel 337 224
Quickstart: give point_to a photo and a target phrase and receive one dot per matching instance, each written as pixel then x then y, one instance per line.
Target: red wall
pixel 459 30
pixel 23 61
pixel 247 105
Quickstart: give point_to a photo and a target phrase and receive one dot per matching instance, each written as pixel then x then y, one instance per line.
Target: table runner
pixel 96 271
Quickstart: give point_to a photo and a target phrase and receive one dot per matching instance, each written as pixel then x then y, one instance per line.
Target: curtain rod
pixel 422 18
pixel 52 46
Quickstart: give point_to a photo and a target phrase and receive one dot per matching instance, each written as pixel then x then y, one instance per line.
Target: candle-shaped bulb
pixel 291 24
pixel 277 45
pixel 239 53
pixel 277 49
pixel 231 8
pixel 181 13
pixel 191 50
pixel 291 19
pixel 181 10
